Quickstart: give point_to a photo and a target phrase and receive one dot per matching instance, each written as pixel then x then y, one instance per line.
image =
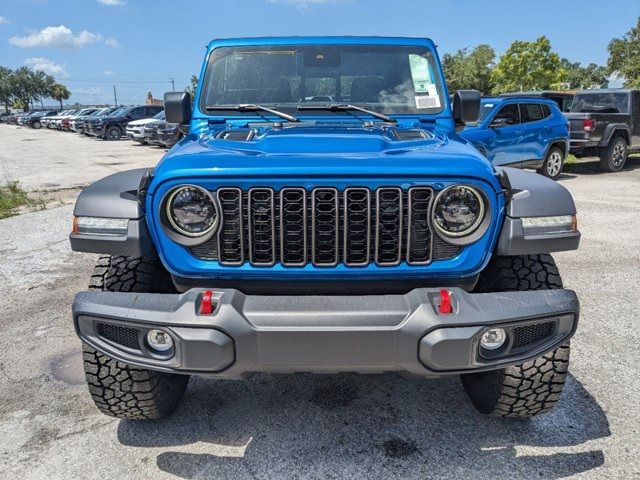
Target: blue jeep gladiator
pixel 521 132
pixel 322 215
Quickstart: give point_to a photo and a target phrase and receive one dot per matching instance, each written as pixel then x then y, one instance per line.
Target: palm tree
pixel 59 92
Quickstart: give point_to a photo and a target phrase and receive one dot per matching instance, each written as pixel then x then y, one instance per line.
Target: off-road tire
pixel 553 164
pixel 130 274
pixel 109 133
pixel 614 156
pixel 118 389
pixel 533 387
pixel 124 391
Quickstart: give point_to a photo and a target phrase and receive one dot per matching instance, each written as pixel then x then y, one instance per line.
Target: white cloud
pixel 56 37
pixel 45 65
pixel 108 72
pixel 3 21
pixel 112 2
pixel 112 42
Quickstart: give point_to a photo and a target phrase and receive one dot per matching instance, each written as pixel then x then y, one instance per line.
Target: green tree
pixel 528 66
pixel 59 92
pixel 29 86
pixel 467 69
pixel 6 87
pixel 624 57
pixel 192 86
pixel 579 77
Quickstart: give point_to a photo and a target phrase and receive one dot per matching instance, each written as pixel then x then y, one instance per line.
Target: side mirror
pixel 466 106
pixel 177 107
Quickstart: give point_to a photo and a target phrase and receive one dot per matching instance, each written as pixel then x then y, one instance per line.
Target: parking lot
pixel 305 426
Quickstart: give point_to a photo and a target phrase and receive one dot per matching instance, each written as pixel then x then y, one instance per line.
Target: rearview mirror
pixel 177 107
pixel 466 106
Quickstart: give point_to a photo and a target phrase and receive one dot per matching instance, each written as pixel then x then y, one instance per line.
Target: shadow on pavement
pixel 352 426
pixel 591 166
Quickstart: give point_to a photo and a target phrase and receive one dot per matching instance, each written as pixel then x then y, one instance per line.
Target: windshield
pixel 387 79
pixel 159 116
pixel 600 103
pixel 120 112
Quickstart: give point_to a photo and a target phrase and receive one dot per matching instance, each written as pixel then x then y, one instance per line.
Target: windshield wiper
pixel 251 107
pixel 342 107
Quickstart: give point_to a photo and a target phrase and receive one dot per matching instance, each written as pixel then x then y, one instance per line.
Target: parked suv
pixel 521 132
pixel 287 234
pixel 76 124
pixel 36 120
pixel 563 98
pixel 169 134
pixel 112 127
pixel 135 129
pixel 606 124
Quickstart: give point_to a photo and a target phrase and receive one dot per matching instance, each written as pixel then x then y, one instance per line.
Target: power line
pixel 90 80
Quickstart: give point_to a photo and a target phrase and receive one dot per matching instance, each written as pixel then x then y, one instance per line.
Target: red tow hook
pixel 445 307
pixel 206 305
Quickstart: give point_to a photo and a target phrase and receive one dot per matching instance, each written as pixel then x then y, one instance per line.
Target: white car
pixel 135 129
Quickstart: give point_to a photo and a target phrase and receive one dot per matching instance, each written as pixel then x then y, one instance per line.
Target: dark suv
pixel 606 124
pixel 112 127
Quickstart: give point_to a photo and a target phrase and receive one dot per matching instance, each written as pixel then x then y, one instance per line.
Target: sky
pixel 140 45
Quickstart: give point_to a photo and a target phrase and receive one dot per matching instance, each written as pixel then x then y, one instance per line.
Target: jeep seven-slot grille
pixel 325 227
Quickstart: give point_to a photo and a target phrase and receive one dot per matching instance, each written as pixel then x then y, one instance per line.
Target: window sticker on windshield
pixel 425 101
pixel 426 93
pixel 420 73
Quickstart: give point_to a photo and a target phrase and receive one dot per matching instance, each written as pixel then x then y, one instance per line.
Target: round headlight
pixel 458 211
pixel 192 211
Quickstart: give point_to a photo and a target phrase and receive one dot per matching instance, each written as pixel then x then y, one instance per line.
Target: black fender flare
pixel 611 130
pixel 533 195
pixel 555 141
pixel 115 196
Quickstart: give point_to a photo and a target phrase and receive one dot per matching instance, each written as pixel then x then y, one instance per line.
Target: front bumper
pixel 136 134
pixel 247 334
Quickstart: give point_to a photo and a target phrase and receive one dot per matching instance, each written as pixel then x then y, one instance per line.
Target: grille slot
pixel 529 334
pixel 389 212
pixel 357 226
pixel 231 234
pixel 125 336
pixel 420 237
pixel 262 235
pixel 325 226
pixel 293 226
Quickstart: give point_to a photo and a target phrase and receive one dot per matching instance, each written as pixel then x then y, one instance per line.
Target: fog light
pixel 493 338
pixel 159 340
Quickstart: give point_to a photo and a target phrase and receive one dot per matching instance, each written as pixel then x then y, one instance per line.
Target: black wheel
pixel 552 166
pixel 533 387
pixel 614 156
pixel 36 125
pixel 118 389
pixel 113 132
